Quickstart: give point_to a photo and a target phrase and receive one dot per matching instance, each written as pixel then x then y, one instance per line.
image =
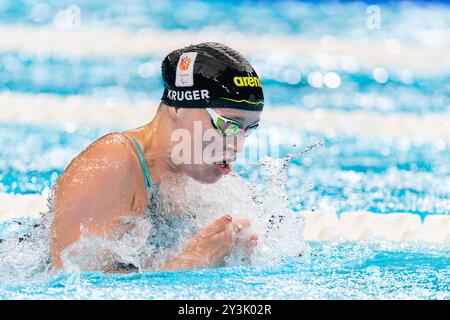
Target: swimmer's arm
pixel 96 191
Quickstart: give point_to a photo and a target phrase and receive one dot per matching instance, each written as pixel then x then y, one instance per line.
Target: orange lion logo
pixel 184 63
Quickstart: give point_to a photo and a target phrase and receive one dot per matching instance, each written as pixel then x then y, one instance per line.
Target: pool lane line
pixel 113 42
pixel 323 225
pixel 74 111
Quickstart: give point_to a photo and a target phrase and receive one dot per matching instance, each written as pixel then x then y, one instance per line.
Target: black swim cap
pixel 210 75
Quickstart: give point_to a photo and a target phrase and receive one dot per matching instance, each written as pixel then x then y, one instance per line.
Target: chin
pixel 212 179
pixel 206 176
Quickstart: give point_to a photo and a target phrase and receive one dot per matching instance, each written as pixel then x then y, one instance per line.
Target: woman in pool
pixel 208 86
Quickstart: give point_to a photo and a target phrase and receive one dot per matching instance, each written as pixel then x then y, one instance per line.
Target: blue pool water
pixel 379 175
pixel 335 271
pixel 97 76
pixel 351 172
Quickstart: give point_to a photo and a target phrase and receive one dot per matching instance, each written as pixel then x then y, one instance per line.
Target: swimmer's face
pixel 209 153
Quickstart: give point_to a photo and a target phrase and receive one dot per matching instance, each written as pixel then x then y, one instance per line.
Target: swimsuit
pixel 165 232
pixel 147 177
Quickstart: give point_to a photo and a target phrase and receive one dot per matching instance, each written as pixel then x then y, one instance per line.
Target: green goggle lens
pixel 229 127
pixel 231 130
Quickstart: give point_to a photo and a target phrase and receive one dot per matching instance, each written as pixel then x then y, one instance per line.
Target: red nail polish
pixel 229 218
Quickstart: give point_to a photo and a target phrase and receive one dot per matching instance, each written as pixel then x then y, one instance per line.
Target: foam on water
pixel 338 270
pixel 375 270
pixel 146 242
pixel 24 249
pixel 196 205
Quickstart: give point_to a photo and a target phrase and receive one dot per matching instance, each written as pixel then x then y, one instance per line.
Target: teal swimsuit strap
pixel 148 178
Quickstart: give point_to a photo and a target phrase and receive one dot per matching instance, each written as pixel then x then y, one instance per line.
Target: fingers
pixel 248 248
pixel 252 242
pixel 240 225
pixel 228 233
pixel 218 239
pixel 222 223
pixel 240 229
pixel 219 225
pixel 231 233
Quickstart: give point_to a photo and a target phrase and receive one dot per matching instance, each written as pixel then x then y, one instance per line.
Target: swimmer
pixel 208 84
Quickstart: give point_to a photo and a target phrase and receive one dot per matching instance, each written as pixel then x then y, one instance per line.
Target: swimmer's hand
pixel 209 247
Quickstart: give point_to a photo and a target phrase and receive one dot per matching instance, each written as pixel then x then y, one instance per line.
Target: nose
pixel 235 143
pixel 239 143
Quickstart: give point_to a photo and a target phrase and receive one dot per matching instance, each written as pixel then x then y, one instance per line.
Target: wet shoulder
pixel 113 144
pixel 112 152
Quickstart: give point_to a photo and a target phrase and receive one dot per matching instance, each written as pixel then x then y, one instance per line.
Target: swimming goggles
pixel 228 127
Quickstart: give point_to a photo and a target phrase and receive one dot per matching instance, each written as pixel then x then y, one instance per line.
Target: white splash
pixel 178 209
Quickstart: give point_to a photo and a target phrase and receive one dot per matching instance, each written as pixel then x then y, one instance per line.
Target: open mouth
pixel 222 164
pixel 224 167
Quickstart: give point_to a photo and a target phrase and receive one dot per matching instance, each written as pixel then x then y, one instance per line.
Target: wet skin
pixel 105 183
